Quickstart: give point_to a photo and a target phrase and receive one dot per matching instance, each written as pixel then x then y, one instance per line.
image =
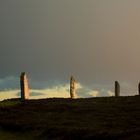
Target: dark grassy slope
pixel 92 118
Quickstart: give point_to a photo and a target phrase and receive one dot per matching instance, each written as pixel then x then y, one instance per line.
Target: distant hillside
pixel 107 118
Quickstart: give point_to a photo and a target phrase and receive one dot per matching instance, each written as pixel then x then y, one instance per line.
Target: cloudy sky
pixel 96 41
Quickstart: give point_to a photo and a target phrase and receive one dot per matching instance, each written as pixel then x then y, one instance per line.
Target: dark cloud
pixel 8 83
pixel 96 41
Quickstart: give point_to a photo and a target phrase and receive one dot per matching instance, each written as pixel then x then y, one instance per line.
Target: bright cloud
pixel 57 91
pixel 7 94
pixel 94 93
pixel 110 93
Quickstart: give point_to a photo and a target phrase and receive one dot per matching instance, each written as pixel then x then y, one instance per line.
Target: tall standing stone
pixel 24 86
pixel 117 89
pixel 72 87
pixel 139 88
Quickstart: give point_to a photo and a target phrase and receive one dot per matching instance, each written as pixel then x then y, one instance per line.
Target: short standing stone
pixel 72 87
pixel 139 88
pixel 117 89
pixel 24 86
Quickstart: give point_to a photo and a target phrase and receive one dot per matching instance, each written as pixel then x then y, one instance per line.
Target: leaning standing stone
pixel 72 87
pixel 24 86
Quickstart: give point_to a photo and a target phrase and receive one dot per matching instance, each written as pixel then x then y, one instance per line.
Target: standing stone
pixel 139 88
pixel 72 87
pixel 117 89
pixel 24 86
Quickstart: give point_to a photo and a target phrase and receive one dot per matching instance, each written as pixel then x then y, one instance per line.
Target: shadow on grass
pixel 107 118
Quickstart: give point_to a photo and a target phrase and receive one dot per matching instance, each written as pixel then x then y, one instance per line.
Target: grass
pixel 10 102
pixel 9 135
pixel 66 119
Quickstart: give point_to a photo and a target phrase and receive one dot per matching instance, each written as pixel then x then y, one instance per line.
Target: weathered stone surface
pixel 24 86
pixel 117 89
pixel 72 87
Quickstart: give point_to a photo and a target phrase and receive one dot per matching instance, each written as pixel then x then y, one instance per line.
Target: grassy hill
pixel 107 118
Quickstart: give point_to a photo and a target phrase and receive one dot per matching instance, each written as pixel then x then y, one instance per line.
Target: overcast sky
pixel 96 41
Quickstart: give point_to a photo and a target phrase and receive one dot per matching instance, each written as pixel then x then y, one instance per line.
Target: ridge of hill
pixel 111 118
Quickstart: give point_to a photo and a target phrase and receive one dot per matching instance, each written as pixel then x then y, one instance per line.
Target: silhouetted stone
pixel 139 88
pixel 117 89
pixel 72 87
pixel 24 86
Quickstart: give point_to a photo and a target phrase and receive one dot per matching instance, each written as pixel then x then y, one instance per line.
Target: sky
pixel 96 41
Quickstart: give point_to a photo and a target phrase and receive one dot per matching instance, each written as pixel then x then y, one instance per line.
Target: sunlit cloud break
pixel 60 91
pixel 10 88
pixel 110 93
pixel 8 94
pixel 94 93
